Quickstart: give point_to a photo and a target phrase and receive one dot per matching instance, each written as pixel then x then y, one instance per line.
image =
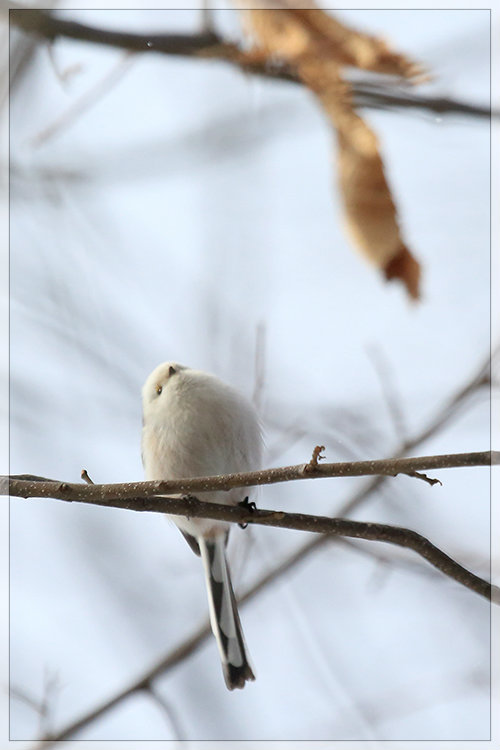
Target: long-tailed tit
pixel 196 425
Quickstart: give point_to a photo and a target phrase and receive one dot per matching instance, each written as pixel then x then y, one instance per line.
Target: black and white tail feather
pixel 224 618
pixel 195 425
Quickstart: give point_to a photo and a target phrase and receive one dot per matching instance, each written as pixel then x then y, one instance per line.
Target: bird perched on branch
pixel 196 425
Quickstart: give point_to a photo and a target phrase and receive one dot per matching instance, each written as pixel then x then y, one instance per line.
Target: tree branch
pixel 193 642
pixel 450 409
pixel 210 45
pixel 144 496
pixel 49 26
pixel 175 656
pixel 133 495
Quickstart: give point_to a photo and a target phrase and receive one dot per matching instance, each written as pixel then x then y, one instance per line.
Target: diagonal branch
pixel 51 27
pixel 479 380
pixel 192 643
pixel 176 655
pixel 191 507
pixel 210 45
pixel 87 100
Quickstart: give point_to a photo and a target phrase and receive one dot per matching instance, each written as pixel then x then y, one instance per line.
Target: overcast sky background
pixel 188 208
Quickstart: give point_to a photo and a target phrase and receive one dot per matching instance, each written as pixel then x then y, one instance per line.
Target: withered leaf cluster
pixel 318 47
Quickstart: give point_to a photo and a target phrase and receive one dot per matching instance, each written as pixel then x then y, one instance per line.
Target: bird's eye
pixel 159 389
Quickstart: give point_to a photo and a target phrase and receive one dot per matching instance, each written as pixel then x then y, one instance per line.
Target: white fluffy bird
pixel 196 425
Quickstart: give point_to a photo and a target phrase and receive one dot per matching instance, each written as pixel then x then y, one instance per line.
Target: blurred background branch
pixel 209 45
pixel 224 172
pixel 457 401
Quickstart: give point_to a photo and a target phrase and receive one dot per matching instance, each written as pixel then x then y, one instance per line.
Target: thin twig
pixel 175 656
pixel 210 45
pixel 389 391
pixel 190 645
pixel 167 710
pixel 206 17
pixel 260 367
pixel 429 480
pixel 63 76
pixel 313 464
pixel 479 380
pixel 51 689
pixel 86 101
pixel 21 695
pixel 44 707
pixel 85 477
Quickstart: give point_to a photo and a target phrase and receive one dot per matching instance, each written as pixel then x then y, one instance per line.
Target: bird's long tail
pixel 224 617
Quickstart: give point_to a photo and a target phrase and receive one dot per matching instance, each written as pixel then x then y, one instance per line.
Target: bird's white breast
pixel 200 427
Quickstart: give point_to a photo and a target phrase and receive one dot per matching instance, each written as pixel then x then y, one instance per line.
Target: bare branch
pixel 389 391
pixel 210 45
pixel 22 696
pixel 206 17
pixel 48 26
pixel 133 495
pixel 260 367
pixel 481 379
pixel 85 477
pixel 459 400
pixel 193 642
pixel 177 655
pixel 193 508
pixel 167 710
pixel 44 706
pixel 315 458
pixel 86 101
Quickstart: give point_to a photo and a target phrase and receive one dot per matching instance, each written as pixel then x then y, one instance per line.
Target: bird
pixel 195 425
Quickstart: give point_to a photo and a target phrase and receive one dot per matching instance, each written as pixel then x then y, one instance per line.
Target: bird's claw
pixel 248 505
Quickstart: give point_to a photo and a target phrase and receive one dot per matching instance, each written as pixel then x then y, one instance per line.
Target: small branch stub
pixel 86 477
pixel 313 465
pixel 430 480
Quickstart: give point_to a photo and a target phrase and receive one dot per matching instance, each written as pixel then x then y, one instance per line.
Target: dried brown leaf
pixel 405 267
pixel 356 48
pixel 280 34
pixel 319 46
pixel 295 32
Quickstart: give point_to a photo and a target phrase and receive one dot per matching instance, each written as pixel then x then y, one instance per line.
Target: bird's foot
pixel 248 505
